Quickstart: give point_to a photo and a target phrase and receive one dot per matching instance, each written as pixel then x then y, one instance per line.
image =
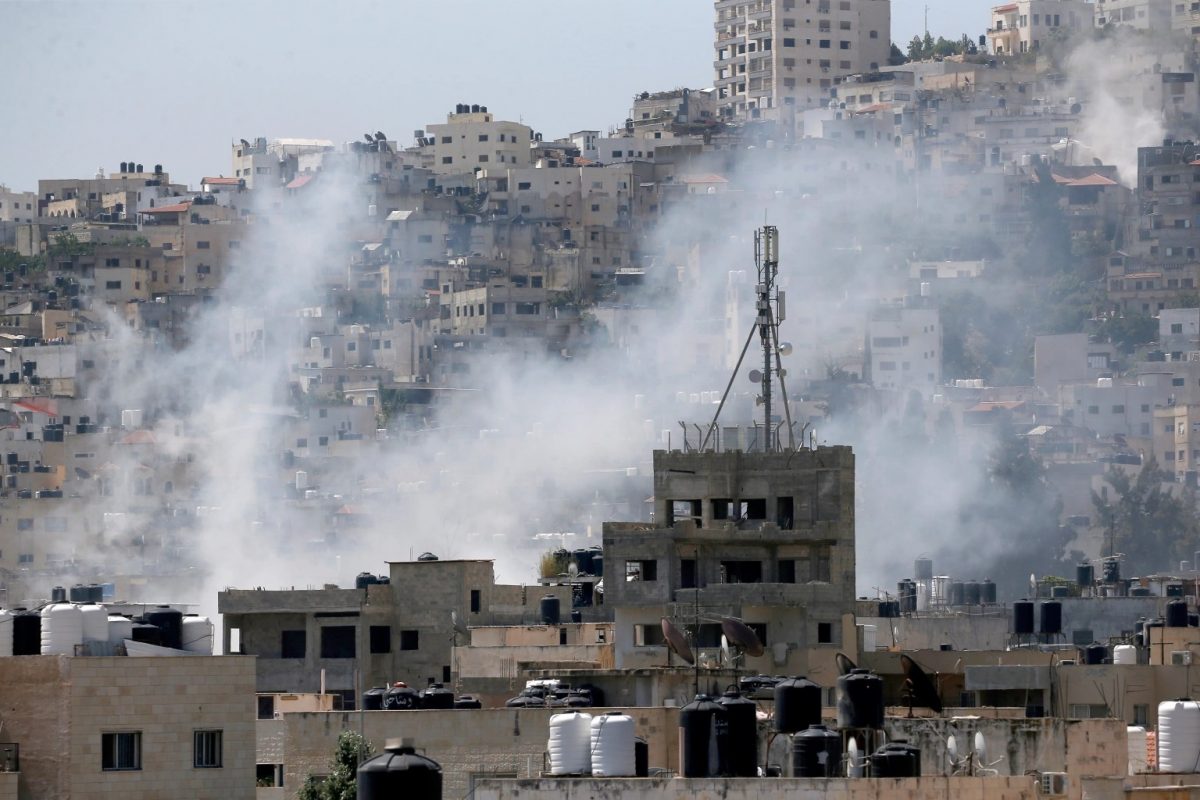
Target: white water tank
pixel 95 622
pixel 613 748
pixel 870 636
pixel 1135 735
pixel 570 744
pixel 1124 654
pixel 6 633
pixel 1178 736
pixel 198 635
pixel 62 629
pixel 131 418
pixel 119 629
pixel 301 480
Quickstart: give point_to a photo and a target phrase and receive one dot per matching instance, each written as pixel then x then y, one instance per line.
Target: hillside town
pixel 829 427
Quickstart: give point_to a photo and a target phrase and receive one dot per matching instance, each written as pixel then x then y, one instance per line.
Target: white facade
pixel 17 206
pixel 1152 15
pixel 476 139
pixel 773 56
pixel 1179 331
pixel 905 346
pixel 1023 26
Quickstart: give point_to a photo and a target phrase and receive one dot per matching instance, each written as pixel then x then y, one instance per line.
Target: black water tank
pixel 400 772
pixel 1194 620
pixel 1059 592
pixel 576 617
pixel 972 593
pixel 703 738
pixel 1139 591
pixel 1177 614
pixel 1112 570
pixel 956 593
pixel 1095 654
pixel 78 593
pixel 427 557
pixel 466 701
pixel 372 699
pixel 95 593
pixel 1022 617
pixel 896 759
pixel 641 758
pixel 147 634
pixel 171 623
pixel 583 560
pixel 906 591
pixel 598 565
pixel 1085 575
pixel 365 579
pixel 817 753
pixel 401 698
pixel 860 700
pixel 1051 618
pixel 741 717
pixel 885 609
pixel 987 592
pixel 27 632
pixel 797 705
pixel 549 610
pixel 58 595
pixel 437 696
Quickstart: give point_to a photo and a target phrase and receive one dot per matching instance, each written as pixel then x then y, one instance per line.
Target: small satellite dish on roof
pixel 844 664
pixel 921 691
pixel 677 642
pixel 755 376
pixel 726 656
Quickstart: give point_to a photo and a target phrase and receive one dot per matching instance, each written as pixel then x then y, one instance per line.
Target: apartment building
pixel 473 138
pixel 122 727
pixel 17 206
pixel 1146 15
pixel 775 57
pixel 1024 26
pixel 1177 440
pixel 905 348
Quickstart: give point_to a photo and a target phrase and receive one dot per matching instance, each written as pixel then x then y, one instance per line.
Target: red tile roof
pixel 1004 9
pixel 300 180
pixel 1095 179
pixel 50 408
pixel 222 181
pixel 871 108
pixel 177 208
pixel 703 179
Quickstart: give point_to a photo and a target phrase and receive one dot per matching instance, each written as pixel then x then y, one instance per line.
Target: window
pixel 789 42
pixel 741 571
pixel 648 636
pixel 337 641
pixel 646 570
pixel 1177 327
pixel 25 524
pixel 203 246
pixel 687 573
pixel 447 159
pixel 787 570
pixel 483 137
pixel 292 644
pixel 410 640
pixel 523 185
pixel 121 751
pixel 497 309
pixel 112 285
pixel 381 638
pixel 476 600
pixel 25 558
pixel 824 633
pixel 1118 409
pixel 206 749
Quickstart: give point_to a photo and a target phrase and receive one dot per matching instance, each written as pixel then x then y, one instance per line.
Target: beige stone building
pixel 1027 25
pixel 130 728
pixel 773 57
pixel 17 206
pixel 472 138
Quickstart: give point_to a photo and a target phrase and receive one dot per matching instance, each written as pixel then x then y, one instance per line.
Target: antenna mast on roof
pixel 770 308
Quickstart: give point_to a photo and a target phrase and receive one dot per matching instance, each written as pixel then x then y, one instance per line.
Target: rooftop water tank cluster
pixel 86 627
pixel 603 746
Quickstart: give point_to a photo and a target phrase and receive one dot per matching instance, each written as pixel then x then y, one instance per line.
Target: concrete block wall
pixel 466 743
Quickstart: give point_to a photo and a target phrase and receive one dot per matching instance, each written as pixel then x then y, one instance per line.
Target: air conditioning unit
pixel 1181 658
pixel 1054 783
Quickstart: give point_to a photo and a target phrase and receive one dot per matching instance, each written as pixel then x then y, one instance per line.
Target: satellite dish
pixel 980 748
pixel 921 691
pixel 755 376
pixel 854 760
pixel 726 656
pixel 844 664
pixel 677 642
pixel 785 348
pixel 952 749
pixel 572 569
pixel 740 634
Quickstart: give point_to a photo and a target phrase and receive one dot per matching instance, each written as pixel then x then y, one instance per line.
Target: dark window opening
pixel 687 573
pixel 476 600
pixel 824 633
pixel 562 635
pixel 648 635
pixel 410 640
pixel 121 751
pixel 266 706
pixel 446 673
pixel 787 571
pixel 721 508
pixel 646 570
pixel 785 510
pixel 381 638
pixel 292 644
pixel 742 571
pixel 337 641
pixel 753 509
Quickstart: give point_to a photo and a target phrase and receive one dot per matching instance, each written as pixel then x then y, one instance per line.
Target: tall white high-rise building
pixel 774 57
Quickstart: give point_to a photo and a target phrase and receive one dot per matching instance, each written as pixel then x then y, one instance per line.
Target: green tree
pixel 1129 331
pixel 342 782
pixel 916 49
pixel 1148 517
pixel 896 57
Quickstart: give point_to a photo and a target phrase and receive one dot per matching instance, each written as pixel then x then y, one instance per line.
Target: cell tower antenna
pixel 770 310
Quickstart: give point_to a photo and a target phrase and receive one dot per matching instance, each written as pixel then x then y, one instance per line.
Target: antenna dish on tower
pixel 743 636
pixel 755 376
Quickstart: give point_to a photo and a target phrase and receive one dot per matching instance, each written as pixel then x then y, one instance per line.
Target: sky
pixel 87 85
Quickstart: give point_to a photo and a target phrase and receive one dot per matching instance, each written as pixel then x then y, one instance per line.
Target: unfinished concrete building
pixel 382 632
pixel 764 537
